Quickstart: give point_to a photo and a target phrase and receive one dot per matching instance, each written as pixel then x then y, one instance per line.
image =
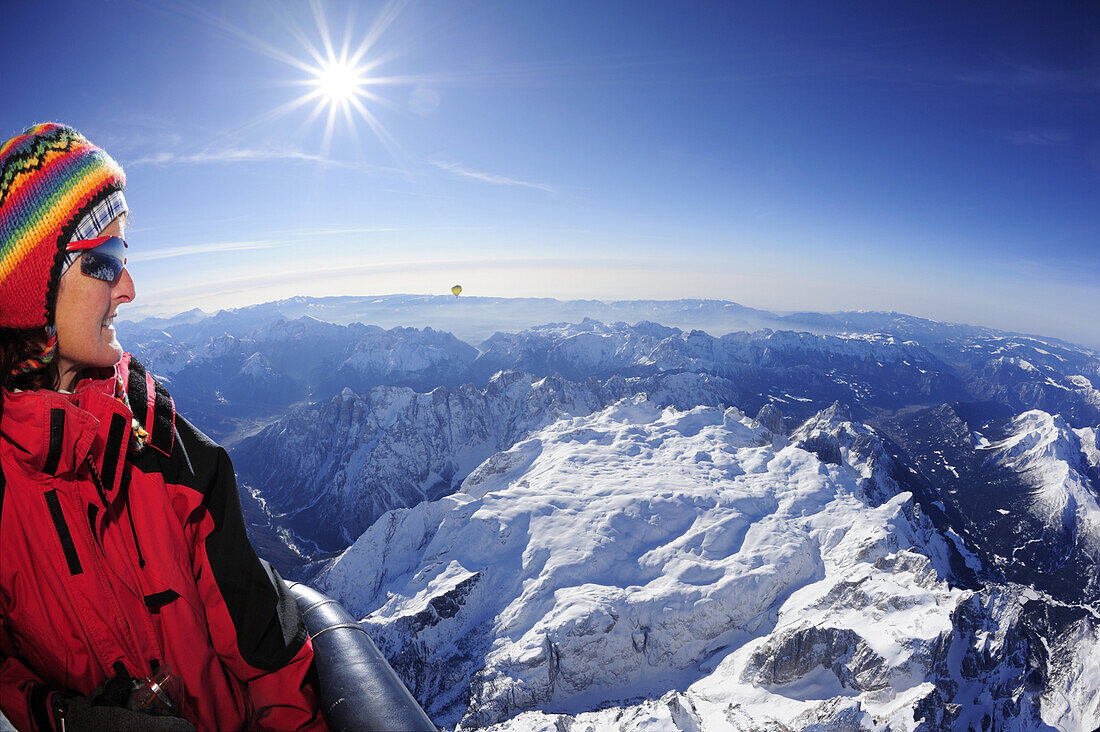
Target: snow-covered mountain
pixel 1050 456
pixel 225 378
pixel 328 471
pixel 1022 489
pixel 230 382
pixel 473 319
pixel 575 526
pixel 379 459
pixel 696 570
pixel 801 371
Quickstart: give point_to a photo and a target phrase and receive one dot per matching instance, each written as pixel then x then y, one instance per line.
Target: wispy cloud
pixel 502 180
pixel 1036 137
pixel 1077 271
pixel 237 155
pixel 1010 74
pixel 233 155
pixel 186 251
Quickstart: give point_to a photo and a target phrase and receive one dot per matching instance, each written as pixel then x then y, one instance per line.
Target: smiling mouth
pixel 109 322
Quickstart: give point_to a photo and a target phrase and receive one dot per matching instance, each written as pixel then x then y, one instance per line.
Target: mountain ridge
pixel 473 318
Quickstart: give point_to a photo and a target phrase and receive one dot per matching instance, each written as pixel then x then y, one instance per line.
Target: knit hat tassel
pixel 43 359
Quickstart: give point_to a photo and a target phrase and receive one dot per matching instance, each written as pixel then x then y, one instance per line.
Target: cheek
pixel 78 311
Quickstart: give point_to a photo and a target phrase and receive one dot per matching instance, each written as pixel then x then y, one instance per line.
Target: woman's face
pixel 85 316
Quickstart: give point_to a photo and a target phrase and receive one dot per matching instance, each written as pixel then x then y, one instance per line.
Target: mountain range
pixel 858 521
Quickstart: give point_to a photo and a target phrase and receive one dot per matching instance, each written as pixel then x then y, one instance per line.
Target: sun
pixel 340 78
pixel 340 81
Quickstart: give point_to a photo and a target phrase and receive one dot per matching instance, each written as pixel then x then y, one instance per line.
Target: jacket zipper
pixel 103 497
pixel 98 483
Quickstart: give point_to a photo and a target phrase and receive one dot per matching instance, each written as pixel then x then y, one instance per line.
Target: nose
pixel 123 290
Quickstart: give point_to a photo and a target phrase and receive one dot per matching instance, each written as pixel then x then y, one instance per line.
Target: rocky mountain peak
pixel 771 418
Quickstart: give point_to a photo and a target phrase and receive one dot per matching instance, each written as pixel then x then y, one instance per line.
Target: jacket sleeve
pixel 254 622
pixel 24 699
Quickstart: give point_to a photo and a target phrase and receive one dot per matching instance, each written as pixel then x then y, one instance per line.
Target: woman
pixel 122 546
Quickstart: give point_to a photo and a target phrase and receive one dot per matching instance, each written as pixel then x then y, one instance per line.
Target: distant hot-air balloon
pixel 457 290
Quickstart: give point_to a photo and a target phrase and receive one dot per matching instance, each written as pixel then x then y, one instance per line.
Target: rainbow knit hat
pixel 51 177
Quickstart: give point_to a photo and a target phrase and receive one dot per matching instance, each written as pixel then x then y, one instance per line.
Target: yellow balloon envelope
pixel 457 290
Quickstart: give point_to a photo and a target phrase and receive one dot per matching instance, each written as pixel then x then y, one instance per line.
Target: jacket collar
pixel 54 433
pixel 152 406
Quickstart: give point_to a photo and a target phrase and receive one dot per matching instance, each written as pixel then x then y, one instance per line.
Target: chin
pixel 109 355
pixel 113 344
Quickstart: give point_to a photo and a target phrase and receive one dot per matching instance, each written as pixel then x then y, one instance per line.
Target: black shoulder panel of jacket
pixel 269 627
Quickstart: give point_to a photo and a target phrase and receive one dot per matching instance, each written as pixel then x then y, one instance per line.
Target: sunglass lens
pixel 100 265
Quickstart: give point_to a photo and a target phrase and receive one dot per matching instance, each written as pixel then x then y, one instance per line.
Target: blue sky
pixel 940 159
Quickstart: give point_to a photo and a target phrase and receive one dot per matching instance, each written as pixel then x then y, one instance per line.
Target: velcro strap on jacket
pixel 57 441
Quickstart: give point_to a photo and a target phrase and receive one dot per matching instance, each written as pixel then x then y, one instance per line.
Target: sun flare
pixel 340 81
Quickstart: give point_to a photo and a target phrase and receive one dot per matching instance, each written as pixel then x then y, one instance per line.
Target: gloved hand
pixel 81 714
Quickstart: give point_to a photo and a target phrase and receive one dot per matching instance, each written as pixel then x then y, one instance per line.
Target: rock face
pixel 771 418
pixel 791 655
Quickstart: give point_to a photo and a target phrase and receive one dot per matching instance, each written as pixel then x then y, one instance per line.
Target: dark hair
pixel 16 346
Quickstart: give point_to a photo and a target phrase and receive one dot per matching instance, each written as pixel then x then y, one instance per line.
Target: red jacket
pixel 114 560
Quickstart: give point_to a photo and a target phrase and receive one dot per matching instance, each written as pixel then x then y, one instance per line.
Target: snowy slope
pixel 1090 446
pixel 1059 465
pixel 636 553
pixel 1050 455
pixel 327 471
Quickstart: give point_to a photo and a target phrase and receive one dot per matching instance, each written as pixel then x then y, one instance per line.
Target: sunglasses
pixel 102 258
